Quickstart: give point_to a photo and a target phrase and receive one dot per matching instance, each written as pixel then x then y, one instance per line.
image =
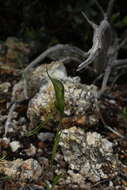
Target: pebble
pixel 4 87
pixel 4 142
pixel 45 136
pixel 15 145
pixel 87 155
pixel 28 169
pixel 22 121
pixel 31 151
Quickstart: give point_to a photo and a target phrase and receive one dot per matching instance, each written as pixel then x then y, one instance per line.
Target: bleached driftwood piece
pixel 104 51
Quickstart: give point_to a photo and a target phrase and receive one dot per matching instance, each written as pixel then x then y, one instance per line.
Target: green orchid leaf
pixel 59 94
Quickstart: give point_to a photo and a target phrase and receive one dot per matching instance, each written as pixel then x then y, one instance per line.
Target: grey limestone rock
pixel 88 155
pixel 80 99
pixel 25 170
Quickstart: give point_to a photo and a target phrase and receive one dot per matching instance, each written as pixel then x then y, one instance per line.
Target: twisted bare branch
pixel 103 52
pixel 102 39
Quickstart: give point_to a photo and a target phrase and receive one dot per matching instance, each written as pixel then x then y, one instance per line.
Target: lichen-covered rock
pixel 25 170
pixel 79 104
pixel 80 99
pixel 30 169
pixel 88 155
pixel 80 108
pixel 4 87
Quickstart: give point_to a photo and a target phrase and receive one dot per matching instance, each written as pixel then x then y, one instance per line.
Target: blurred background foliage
pixel 49 22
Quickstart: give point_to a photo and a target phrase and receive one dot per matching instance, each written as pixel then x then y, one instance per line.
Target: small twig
pixel 99 77
pixel 114 131
pixel 100 8
pixel 122 67
pixel 70 59
pixel 89 60
pixel 105 79
pixel 110 7
pixel 117 77
pixel 91 23
pixel 107 126
pixel 111 129
pixel 8 121
pixel 25 85
pixel 120 62
pixel 31 187
pixel 121 44
pixel 99 182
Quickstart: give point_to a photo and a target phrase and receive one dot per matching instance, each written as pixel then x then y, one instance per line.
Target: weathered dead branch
pixel 104 51
pixel 58 52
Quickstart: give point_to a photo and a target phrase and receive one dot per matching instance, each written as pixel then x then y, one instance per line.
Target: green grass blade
pixel 56 180
pixel 34 131
pixel 55 145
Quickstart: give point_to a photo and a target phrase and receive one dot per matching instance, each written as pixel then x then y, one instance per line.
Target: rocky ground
pixel 89 154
